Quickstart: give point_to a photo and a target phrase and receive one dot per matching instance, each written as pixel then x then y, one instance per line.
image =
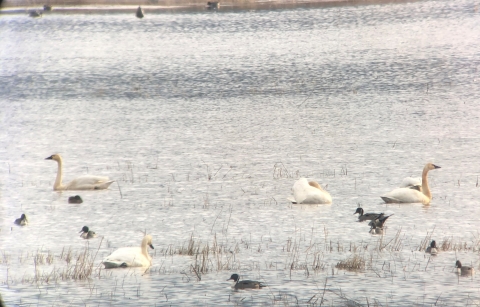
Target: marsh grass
pixel 78 266
pixel 41 258
pixel 215 257
pixel 352 263
pixel 66 255
pixel 426 241
pixel 5 258
pixel 191 248
pixel 449 244
pixel 281 171
pixel 206 257
pixel 393 245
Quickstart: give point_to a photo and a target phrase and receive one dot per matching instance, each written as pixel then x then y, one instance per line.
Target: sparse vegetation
pixel 352 263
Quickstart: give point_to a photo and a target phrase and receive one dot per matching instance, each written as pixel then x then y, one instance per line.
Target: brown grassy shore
pixel 158 6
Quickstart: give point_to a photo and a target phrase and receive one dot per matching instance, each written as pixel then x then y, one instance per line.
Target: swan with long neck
pixel 309 192
pixel 130 256
pixel 409 195
pixel 86 182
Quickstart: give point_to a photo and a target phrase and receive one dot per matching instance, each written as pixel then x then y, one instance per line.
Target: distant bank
pixel 175 5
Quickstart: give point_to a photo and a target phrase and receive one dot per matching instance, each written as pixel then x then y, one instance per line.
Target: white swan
pixel 412 183
pixel 86 182
pixel 309 192
pixel 409 195
pixel 130 256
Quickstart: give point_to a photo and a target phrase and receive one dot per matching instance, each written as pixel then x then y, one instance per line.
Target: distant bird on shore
pixel 35 14
pixel 139 13
pixel 245 284
pixel 87 233
pixel 213 5
pixel 75 199
pixel 22 221
pixel 47 8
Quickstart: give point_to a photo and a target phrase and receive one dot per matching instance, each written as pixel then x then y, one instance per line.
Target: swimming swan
pixel 309 192
pixel 130 256
pixel 245 284
pixel 408 195
pixel 86 182
pixel 412 183
pixel 87 233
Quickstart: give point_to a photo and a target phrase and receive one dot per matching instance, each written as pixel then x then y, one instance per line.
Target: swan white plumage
pixel 409 195
pixel 309 192
pixel 130 256
pixel 412 183
pixel 86 182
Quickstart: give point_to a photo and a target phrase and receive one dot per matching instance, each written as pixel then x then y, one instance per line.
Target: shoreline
pixel 169 6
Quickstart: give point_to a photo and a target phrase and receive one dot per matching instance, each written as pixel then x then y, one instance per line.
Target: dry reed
pixel 352 263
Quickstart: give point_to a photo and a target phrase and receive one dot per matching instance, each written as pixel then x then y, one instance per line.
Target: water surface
pixel 205 120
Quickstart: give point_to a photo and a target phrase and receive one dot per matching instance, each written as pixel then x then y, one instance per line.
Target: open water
pixel 206 119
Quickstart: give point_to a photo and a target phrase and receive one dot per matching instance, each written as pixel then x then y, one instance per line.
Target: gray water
pixel 205 120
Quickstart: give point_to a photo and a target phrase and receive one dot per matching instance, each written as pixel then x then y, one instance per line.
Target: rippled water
pixel 206 119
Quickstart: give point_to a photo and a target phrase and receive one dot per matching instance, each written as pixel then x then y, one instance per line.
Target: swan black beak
pixel 436 166
pixel 151 246
pixel 49 158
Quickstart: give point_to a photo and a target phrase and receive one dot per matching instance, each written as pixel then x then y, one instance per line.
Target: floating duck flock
pixel 305 191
